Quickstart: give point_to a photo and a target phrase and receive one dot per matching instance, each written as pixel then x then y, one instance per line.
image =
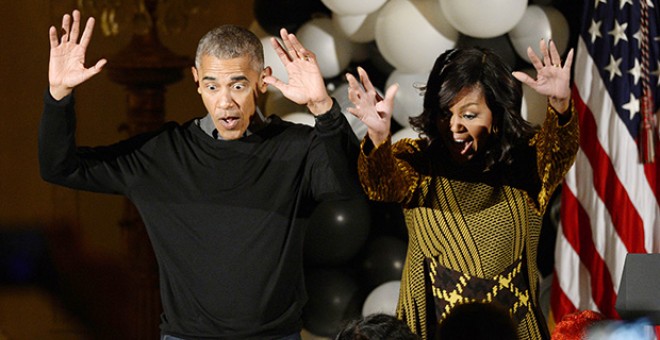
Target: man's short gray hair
pixel 231 41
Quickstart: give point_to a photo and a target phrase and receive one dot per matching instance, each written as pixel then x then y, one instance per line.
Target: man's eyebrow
pixel 233 79
pixel 239 78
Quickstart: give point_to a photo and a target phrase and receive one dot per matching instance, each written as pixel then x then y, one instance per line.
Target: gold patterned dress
pixel 473 235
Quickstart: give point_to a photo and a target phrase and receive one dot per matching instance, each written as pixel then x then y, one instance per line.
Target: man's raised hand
pixel 66 67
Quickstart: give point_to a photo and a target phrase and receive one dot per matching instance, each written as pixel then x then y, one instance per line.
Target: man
pixel 221 196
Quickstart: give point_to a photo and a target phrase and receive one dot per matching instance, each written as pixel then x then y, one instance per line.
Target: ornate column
pixel 144 67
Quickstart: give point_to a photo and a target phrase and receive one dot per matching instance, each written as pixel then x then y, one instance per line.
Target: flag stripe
pixel 581 239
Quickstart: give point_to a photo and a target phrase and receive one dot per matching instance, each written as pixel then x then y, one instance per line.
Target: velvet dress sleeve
pixel 556 146
pixel 385 173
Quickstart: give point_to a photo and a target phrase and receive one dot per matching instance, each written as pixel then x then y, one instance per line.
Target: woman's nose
pixel 455 124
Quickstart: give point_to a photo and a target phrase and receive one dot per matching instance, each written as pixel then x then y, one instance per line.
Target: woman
pixel 474 186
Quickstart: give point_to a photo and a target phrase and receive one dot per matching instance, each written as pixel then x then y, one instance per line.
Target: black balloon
pixel 383 261
pixel 334 298
pixel 272 15
pixel 501 45
pixel 336 231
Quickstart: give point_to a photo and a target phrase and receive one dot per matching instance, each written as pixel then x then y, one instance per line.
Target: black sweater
pixel 225 218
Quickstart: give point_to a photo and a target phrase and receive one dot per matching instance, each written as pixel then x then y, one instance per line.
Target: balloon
pixel 336 232
pixel 500 45
pixel 483 19
pixel 383 261
pixel 383 299
pixel 290 14
pixel 409 100
pixel 341 95
pixel 277 103
pixel 300 118
pixel 332 48
pixel 360 52
pixel 410 34
pixel 258 30
pixel 539 22
pixel 352 7
pixel 534 105
pixel 334 297
pixel 406 132
pixel 358 28
pixel 388 216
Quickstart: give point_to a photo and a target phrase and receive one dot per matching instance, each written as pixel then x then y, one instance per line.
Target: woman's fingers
pixel 554 54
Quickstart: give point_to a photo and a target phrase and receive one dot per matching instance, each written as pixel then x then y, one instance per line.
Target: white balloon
pixel 407 132
pixel 331 47
pixel 358 28
pixel 341 95
pixel 539 22
pixel 300 118
pixel 534 105
pixel 483 19
pixel 352 7
pixel 411 34
pixel 383 299
pixel 408 101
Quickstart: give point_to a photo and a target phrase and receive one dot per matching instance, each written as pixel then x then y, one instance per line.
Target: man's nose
pixel 225 101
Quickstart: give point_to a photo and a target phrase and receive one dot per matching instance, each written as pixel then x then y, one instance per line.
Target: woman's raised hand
pixel 552 78
pixel 373 110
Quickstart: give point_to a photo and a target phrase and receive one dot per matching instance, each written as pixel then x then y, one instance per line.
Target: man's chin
pixel 231 135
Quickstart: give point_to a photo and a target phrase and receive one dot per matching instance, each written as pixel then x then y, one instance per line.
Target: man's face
pixel 229 90
pixel 467 130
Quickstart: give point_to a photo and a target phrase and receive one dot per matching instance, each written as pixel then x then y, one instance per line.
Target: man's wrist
pixel 320 107
pixel 59 92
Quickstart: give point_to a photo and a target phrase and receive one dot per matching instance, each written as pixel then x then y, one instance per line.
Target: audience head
pixel 477 321
pixel 376 327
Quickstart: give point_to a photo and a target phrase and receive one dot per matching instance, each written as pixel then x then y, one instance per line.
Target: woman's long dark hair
pixel 459 69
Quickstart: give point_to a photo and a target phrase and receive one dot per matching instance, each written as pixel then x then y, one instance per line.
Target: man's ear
pixel 267 72
pixel 195 75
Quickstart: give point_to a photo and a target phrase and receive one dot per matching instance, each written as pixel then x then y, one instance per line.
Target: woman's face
pixel 466 131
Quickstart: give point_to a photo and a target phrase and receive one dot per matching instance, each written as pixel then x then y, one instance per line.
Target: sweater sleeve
pixel 99 169
pixel 333 158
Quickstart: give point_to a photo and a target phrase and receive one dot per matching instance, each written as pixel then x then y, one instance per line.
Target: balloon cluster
pixel 355 252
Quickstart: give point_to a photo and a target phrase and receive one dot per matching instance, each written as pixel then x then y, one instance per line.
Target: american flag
pixel 609 198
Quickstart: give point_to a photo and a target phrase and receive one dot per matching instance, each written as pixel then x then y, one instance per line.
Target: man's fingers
pixel 52 36
pixel 279 49
pixel 66 27
pixel 87 33
pixel 75 27
pixel 287 43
